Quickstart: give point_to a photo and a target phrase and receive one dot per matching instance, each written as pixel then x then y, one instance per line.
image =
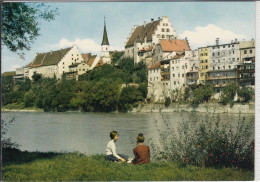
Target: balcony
pixel 221 77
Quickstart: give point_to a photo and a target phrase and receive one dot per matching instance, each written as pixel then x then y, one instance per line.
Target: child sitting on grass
pixel 141 152
pixel 111 154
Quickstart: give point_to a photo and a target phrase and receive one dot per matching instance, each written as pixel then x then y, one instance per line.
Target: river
pixel 88 132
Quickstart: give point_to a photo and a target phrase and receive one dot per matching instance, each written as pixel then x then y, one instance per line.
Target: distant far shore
pixel 237 108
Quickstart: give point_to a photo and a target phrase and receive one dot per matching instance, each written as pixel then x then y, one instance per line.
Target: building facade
pixel 147 36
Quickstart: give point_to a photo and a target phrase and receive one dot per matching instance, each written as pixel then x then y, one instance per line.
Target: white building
pixel 53 63
pixel 147 36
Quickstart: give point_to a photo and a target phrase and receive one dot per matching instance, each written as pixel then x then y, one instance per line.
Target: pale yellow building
pixel 203 64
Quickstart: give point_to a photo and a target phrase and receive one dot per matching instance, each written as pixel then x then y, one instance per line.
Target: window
pixel 228 45
pixel 163 24
pixel 166 24
pixel 167 30
pixel 63 62
pixel 223 46
pixel 157 78
pixel 233 52
pixel 158 35
pixel 172 68
pixel 213 61
pixel 229 67
pixel 71 54
pixel 163 36
pixel 205 54
pixel 182 67
pixel 218 53
pixel 232 45
pixel 245 52
pixel 233 59
pixel 201 74
pixel 150 79
pixel 213 54
pixel 182 75
pixel 251 51
pixel 178 75
pixel 174 82
pixel 213 67
pixel 238 59
pixel 206 67
pixel 218 68
pixel 162 29
pixel 223 67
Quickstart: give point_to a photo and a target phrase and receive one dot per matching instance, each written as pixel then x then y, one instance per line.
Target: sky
pixel 82 23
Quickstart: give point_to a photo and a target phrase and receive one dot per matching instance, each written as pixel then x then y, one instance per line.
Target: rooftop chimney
pixel 217 41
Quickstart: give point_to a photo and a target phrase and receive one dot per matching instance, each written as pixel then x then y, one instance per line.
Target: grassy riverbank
pixel 35 166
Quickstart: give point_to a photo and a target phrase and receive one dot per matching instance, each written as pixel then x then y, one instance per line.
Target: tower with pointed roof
pixel 105 46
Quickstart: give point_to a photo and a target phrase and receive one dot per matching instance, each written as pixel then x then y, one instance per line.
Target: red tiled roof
pixel 174 45
pixel 156 65
pixel 85 56
pixel 146 49
pixel 91 60
pixel 178 56
pixel 100 63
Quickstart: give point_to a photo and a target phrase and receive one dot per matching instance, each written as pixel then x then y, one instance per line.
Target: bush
pixel 203 94
pixel 228 94
pixel 205 141
pixel 167 102
pixel 246 93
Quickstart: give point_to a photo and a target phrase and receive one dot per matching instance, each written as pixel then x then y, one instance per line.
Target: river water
pixel 89 132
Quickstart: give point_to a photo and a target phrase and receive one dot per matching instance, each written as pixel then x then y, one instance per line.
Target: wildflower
pixel 216 160
pixel 210 154
pixel 216 157
pixel 198 145
pixel 223 153
pixel 233 161
pixel 207 159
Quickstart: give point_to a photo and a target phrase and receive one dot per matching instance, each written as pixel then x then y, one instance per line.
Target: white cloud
pixel 204 36
pixel 14 66
pixel 84 45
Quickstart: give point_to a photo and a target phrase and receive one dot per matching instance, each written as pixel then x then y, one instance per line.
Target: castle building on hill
pixel 53 63
pixel 142 40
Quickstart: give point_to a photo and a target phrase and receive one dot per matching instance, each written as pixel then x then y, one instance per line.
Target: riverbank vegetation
pixel 107 88
pixel 206 141
pixel 35 166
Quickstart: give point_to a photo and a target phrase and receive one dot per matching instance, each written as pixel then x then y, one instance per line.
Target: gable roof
pixel 141 32
pixel 49 58
pixel 100 63
pixel 156 65
pixel 10 73
pixel 91 60
pixel 85 56
pixel 174 45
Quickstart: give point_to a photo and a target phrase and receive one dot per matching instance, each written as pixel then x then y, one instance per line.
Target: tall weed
pixel 206 141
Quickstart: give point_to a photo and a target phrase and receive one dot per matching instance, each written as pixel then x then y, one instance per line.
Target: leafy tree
pixel 128 96
pixel 127 64
pixel 187 93
pixel 246 93
pixel 21 24
pixel 141 72
pixel 203 94
pixel 167 102
pixel 29 98
pixel 143 89
pixel 36 76
pixel 228 93
pixel 116 56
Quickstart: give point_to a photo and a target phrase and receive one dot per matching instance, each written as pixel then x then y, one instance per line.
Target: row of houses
pixel 217 65
pixel 68 62
pixel 171 62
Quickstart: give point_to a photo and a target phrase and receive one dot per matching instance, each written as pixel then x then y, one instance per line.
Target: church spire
pixel 105 38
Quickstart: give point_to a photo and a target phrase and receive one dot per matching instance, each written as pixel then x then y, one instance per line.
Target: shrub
pixel 228 94
pixel 205 141
pixel 246 93
pixel 167 102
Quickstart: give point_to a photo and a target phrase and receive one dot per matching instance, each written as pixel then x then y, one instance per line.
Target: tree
pixel 203 94
pixel 20 24
pixel 246 93
pixel 167 102
pixel 128 96
pixel 228 93
pixel 36 76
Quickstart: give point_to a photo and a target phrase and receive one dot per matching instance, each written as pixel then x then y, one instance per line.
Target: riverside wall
pixel 248 108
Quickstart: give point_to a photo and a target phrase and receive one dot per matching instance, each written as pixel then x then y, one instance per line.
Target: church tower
pixel 105 46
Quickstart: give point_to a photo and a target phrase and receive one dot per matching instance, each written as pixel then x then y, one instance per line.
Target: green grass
pixel 24 166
